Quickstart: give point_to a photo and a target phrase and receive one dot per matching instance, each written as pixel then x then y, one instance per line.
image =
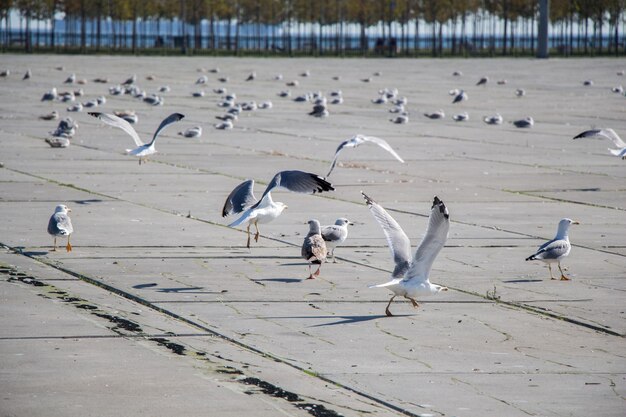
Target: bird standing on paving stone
pixel 143 149
pixel 314 248
pixel 410 276
pixel 334 235
pixel 242 199
pixel 60 224
pixel 556 249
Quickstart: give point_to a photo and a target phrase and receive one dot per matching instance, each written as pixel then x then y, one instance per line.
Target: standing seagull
pixel 357 140
pixel 607 134
pixel 483 81
pixel 462 96
pixel 60 224
pixel 192 132
pixel 314 248
pixel 556 249
pixel 242 199
pixel 143 149
pixel 334 235
pixel 410 276
pixel 319 110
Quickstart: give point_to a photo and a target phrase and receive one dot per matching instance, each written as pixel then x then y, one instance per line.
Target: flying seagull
pixel 242 199
pixel 357 140
pixel 143 149
pixel 314 248
pixel 556 249
pixel 609 134
pixel 60 224
pixel 335 234
pixel 410 276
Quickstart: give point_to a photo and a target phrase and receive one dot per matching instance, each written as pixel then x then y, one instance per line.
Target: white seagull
pixel 357 140
pixel 410 276
pixel 556 249
pixel 496 119
pixel 609 134
pixel 143 149
pixel 192 132
pixel 334 235
pixel 242 199
pixel 461 117
pixel 60 224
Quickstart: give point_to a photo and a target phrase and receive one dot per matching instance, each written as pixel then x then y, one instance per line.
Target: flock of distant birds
pixel 410 277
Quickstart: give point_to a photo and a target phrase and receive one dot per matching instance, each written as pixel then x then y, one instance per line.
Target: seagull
pixel 251 77
pixel 165 89
pixel 27 75
pixel 59 141
pixel 525 122
pixel 501 82
pixel 410 276
pixel 357 140
pixel 5 73
pixel 483 81
pixel 130 80
pixel 319 110
pixel 225 125
pixel 606 133
pixel 60 224
pixel 192 132
pixel 71 79
pixel 314 248
pixel 400 120
pixel 435 115
pixel 520 92
pixel 293 83
pixel 334 235
pixel 54 115
pixel 50 95
pixel 266 105
pixel 66 127
pixel 142 150
pixel 496 119
pixel 457 73
pixel 242 199
pixel 461 117
pixel 588 83
pixel 198 93
pixel 454 92
pixel 556 249
pixel 619 89
pixel 202 80
pixel 75 107
pixel 462 96
pixel 91 103
pixel 129 115
pixel 284 93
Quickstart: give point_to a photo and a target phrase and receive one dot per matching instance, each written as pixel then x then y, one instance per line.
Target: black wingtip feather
pixel 323 185
pixel 368 199
pixel 531 258
pixel 442 207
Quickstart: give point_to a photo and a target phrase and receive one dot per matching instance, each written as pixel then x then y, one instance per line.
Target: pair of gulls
pixel 321 240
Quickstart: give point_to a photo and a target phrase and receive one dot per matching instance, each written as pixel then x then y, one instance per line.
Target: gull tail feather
pixel 242 219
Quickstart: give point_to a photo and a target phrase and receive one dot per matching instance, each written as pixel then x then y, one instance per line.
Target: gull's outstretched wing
pixel 397 240
pixel 115 121
pixel 433 241
pixel 604 133
pixel 172 118
pixel 239 199
pixel 359 139
pixel 299 182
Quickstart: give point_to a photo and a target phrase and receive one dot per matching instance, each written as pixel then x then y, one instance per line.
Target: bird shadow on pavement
pixel 519 281
pixel 186 290
pixel 283 280
pixel 35 253
pixel 343 319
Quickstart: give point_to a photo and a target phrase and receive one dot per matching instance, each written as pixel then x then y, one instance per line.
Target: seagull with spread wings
pixel 357 140
pixel 410 275
pixel 242 199
pixel 607 134
pixel 143 149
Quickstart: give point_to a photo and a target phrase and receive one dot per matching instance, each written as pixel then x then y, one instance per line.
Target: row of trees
pixel 315 26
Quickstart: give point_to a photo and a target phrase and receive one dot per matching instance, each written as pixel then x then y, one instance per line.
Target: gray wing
pixel 239 199
pixel 339 149
pixel 433 241
pixel 60 225
pixel 332 233
pixel 298 182
pixel 115 121
pixel 552 249
pixel 314 248
pixel 383 144
pixel 605 133
pixel 397 240
pixel 172 118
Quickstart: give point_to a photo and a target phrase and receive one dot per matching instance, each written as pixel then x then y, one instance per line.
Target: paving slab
pixel 160 308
